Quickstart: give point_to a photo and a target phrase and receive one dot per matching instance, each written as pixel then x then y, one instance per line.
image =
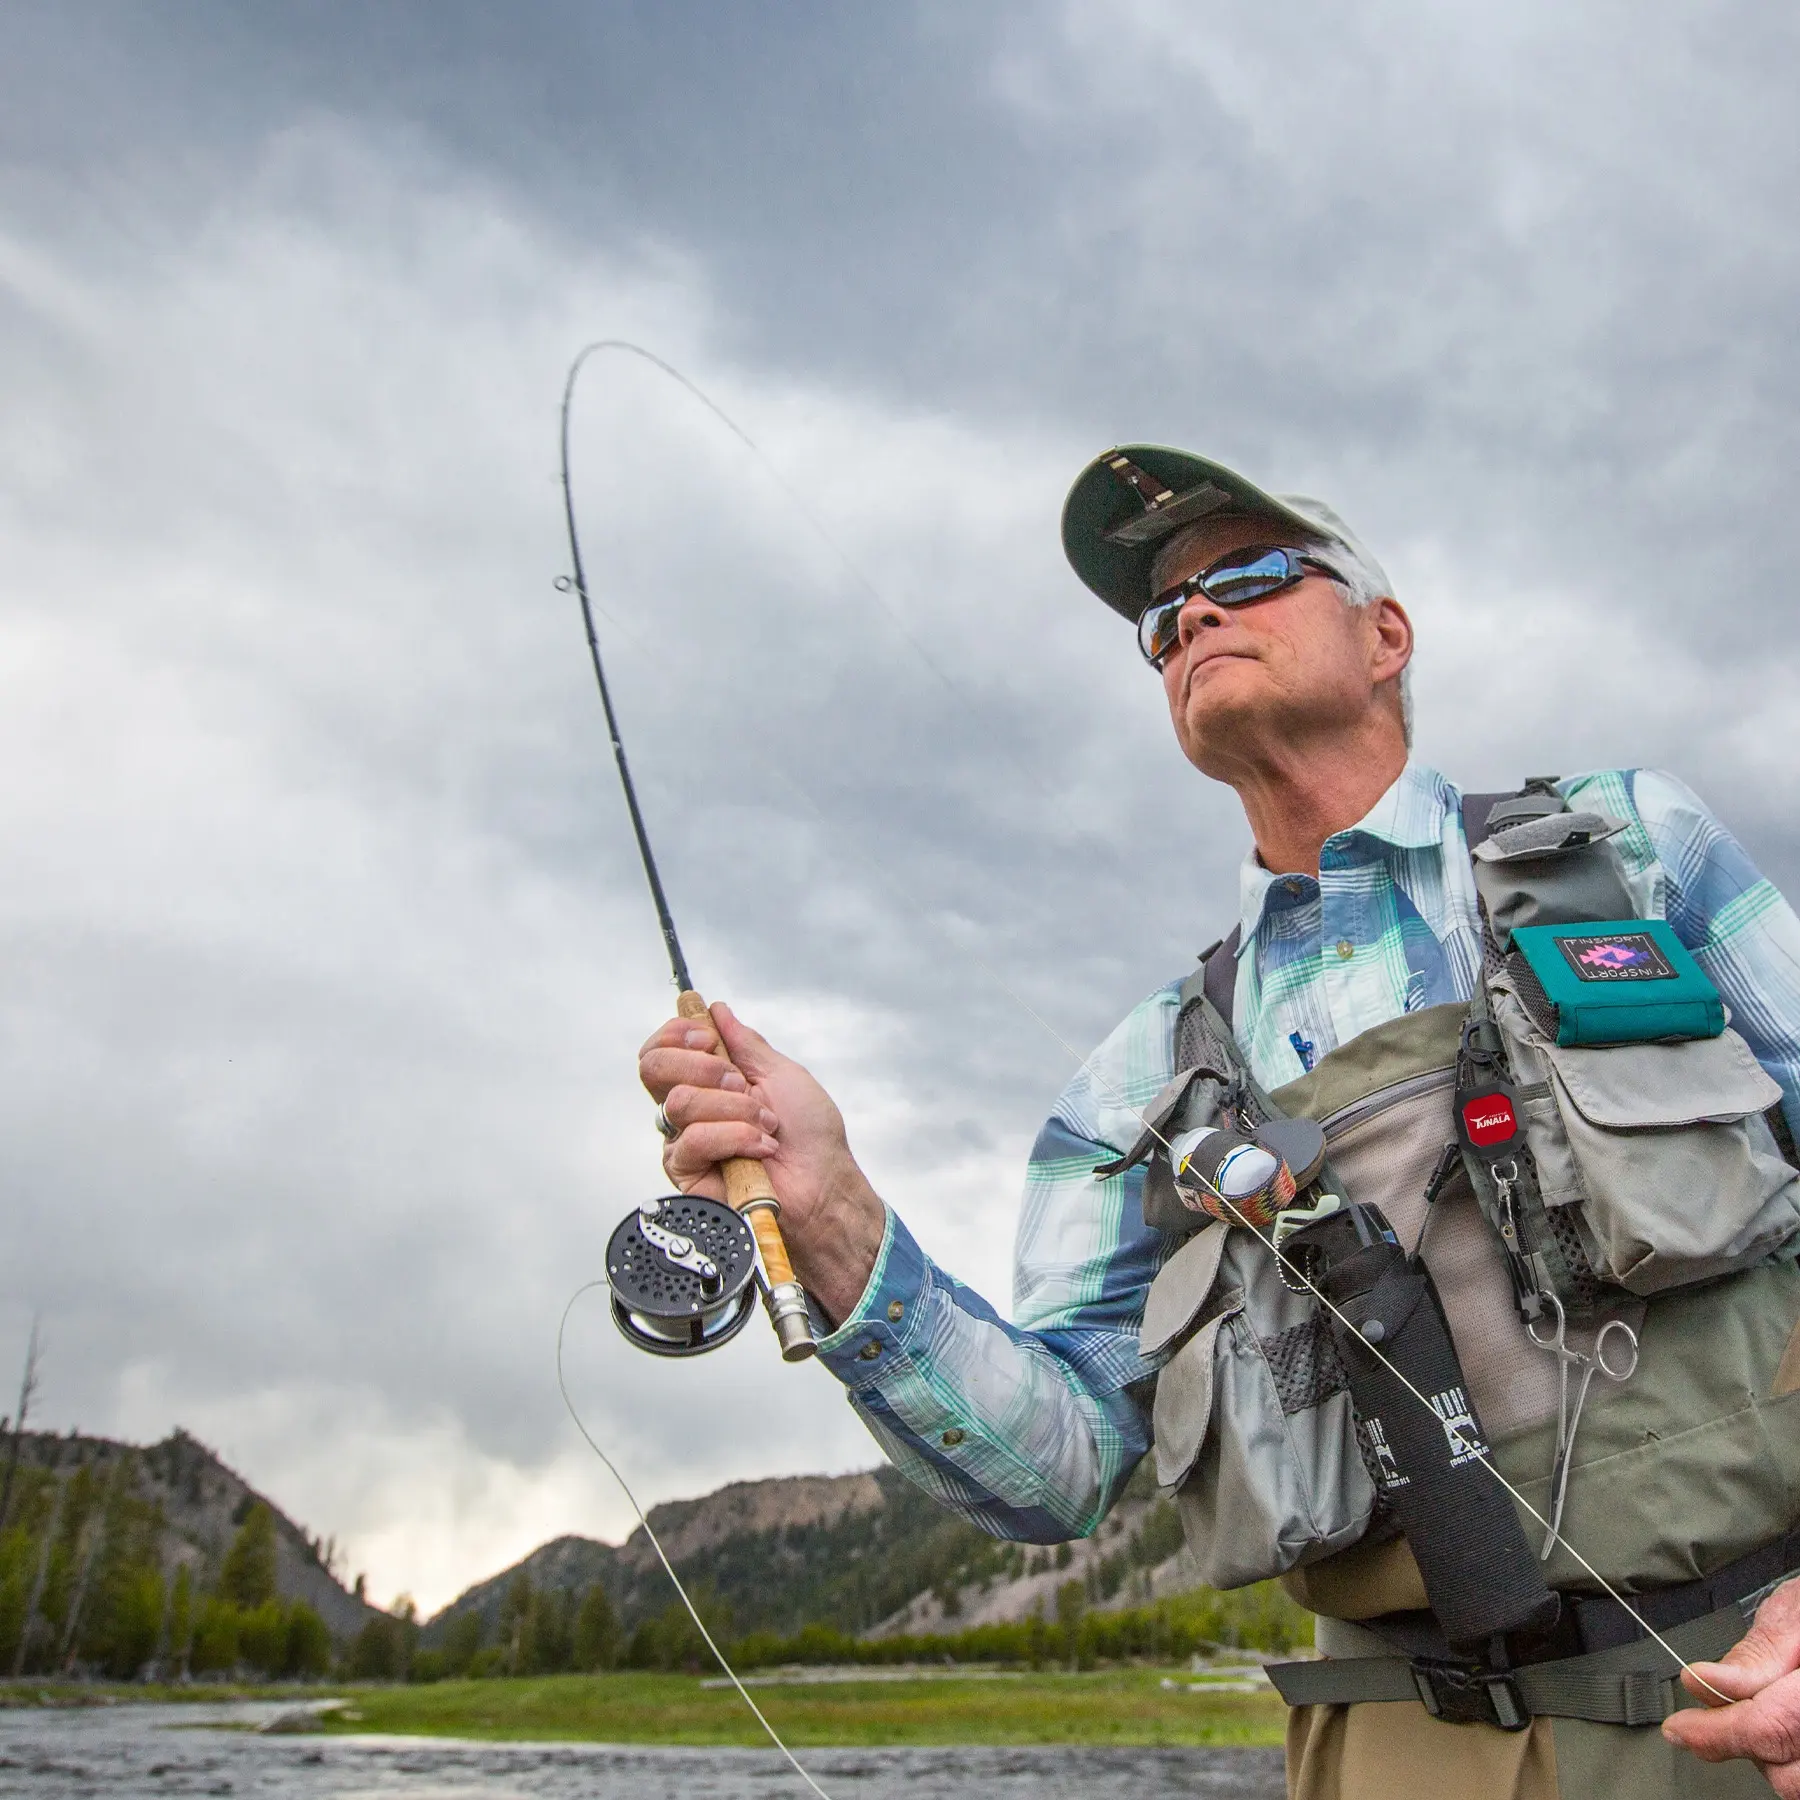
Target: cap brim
pixel 1111 534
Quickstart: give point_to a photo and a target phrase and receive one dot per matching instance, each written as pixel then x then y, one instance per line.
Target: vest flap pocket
pixel 1625 1087
pixel 1181 1288
pixel 1184 1404
pixel 1679 1177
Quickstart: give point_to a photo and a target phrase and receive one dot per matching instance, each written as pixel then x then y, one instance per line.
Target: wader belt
pixel 1621 1678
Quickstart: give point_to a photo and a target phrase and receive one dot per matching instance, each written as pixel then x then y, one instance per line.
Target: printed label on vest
pixel 1374 1434
pixel 1489 1119
pixel 1618 956
pixel 1460 1430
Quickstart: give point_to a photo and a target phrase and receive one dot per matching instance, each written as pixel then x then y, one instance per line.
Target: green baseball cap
pixel 1125 503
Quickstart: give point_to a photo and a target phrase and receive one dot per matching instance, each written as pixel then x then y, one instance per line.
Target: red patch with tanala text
pixel 1489 1119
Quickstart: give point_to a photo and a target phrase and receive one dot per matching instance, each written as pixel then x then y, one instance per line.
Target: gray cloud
pixel 327 951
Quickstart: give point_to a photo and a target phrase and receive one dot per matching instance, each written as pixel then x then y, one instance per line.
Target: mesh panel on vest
pixel 1561 1224
pixel 1195 1045
pixel 1305 1365
pixel 1531 995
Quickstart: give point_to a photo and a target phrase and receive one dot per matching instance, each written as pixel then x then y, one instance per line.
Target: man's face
pixel 1248 683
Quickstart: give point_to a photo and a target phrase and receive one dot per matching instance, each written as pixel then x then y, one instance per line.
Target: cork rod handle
pixel 750 1192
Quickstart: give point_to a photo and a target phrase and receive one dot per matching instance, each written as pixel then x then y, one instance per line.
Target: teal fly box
pixel 1625 981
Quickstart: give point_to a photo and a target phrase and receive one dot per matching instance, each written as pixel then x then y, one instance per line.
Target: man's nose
pixel 1197 616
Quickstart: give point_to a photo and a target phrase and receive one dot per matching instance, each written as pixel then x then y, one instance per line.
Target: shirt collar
pixel 1409 816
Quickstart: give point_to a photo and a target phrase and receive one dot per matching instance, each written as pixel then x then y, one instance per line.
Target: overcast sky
pixel 326 949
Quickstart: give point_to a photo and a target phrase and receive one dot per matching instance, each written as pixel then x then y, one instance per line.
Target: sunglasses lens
pixel 1159 629
pixel 1225 584
pixel 1262 574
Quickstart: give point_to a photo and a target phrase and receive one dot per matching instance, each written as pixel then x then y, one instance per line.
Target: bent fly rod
pixel 683 1270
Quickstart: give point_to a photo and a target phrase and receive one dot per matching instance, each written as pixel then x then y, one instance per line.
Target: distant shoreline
pixel 1127 1707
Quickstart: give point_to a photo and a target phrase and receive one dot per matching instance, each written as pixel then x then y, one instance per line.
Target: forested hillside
pixel 856 1556
pixel 768 1555
pixel 131 1561
pixel 161 1561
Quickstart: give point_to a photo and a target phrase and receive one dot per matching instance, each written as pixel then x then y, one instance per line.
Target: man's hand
pixel 762 1104
pixel 1758 1677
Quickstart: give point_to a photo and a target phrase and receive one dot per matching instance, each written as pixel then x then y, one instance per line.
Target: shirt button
pixel 869 1351
pixel 951 1438
pixel 896 1311
pixel 1345 949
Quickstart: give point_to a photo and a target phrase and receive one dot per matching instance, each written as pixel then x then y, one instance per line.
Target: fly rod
pixel 681 1269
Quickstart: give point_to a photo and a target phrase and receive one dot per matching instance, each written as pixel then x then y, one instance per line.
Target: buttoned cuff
pixel 889 1315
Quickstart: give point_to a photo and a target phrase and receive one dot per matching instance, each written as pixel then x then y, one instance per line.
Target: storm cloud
pixel 326 949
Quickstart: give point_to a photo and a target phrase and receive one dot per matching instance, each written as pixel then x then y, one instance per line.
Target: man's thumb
pixel 749 1050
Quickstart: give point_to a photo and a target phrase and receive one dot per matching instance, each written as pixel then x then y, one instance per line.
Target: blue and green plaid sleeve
pixel 1027 1429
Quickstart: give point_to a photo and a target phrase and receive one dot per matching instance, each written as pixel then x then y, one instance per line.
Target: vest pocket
pixel 1660 1147
pixel 1255 1435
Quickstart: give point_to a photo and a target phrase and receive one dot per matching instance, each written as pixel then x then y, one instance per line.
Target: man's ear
pixel 1390 639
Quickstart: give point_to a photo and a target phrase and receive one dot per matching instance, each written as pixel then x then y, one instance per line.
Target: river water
pixel 158 1751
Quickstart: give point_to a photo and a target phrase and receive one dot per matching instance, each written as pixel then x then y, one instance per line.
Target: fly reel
pixel 683 1275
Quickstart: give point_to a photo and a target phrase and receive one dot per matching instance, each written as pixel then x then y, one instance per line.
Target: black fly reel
pixel 683 1275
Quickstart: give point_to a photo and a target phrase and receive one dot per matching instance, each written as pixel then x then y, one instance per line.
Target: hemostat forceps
pixel 1568 1419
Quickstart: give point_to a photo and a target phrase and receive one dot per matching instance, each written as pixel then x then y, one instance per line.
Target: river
pixel 157 1751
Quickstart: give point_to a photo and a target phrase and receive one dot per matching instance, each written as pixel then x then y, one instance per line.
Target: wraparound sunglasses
pixel 1235 579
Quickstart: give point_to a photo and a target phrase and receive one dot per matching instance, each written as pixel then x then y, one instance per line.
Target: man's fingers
pixel 1771 1647
pixel 688 1106
pixel 710 1186
pixel 1766 1729
pixel 662 1069
pixel 1707 1681
pixel 683 1034
pixel 700 1146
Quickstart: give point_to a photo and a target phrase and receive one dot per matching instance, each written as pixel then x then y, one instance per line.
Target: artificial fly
pixel 683 1271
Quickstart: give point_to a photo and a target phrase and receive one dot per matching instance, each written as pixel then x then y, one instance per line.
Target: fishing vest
pixel 1655 1186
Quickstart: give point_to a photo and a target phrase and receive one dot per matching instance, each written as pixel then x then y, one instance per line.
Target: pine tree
pixel 598 1636
pixel 248 1578
pixel 181 1621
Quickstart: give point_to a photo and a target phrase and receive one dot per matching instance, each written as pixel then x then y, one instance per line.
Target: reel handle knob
pixel 750 1192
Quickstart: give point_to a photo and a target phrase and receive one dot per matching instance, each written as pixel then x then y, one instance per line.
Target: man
pixel 1283 657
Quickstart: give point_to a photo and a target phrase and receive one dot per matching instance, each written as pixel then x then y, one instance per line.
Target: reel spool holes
pixel 683 1276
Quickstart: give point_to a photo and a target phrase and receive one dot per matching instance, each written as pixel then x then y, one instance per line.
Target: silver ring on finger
pixel 669 1131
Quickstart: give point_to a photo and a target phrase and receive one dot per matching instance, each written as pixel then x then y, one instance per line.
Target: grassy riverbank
pixel 53 1691
pixel 1116 1706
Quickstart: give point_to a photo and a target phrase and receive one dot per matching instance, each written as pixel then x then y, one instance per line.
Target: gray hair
pixel 1364 580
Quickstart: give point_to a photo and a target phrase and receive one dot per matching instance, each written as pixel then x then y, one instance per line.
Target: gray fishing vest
pixel 1662 1198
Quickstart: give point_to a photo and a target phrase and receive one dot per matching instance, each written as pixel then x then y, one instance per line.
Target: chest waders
pixel 1647 1190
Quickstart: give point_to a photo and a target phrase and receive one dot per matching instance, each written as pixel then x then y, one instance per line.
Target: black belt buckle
pixel 1464 1694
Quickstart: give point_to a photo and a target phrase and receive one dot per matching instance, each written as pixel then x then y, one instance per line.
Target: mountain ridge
pixel 868 1554
pixel 203 1501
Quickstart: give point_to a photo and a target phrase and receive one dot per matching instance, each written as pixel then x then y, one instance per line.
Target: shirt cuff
pixel 888 1316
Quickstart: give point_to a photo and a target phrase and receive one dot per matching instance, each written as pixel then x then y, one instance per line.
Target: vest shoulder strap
pixel 1475 811
pixel 1218 973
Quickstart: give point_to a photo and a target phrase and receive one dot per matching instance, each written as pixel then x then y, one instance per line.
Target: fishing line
pixel 1023 767
pixel 794 497
pixel 1084 1064
pixel 662 1554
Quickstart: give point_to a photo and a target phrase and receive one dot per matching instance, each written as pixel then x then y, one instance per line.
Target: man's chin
pixel 1223 714
pixel 1227 687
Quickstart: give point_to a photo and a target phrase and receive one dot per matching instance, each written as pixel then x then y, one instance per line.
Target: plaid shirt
pixel 1030 1430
